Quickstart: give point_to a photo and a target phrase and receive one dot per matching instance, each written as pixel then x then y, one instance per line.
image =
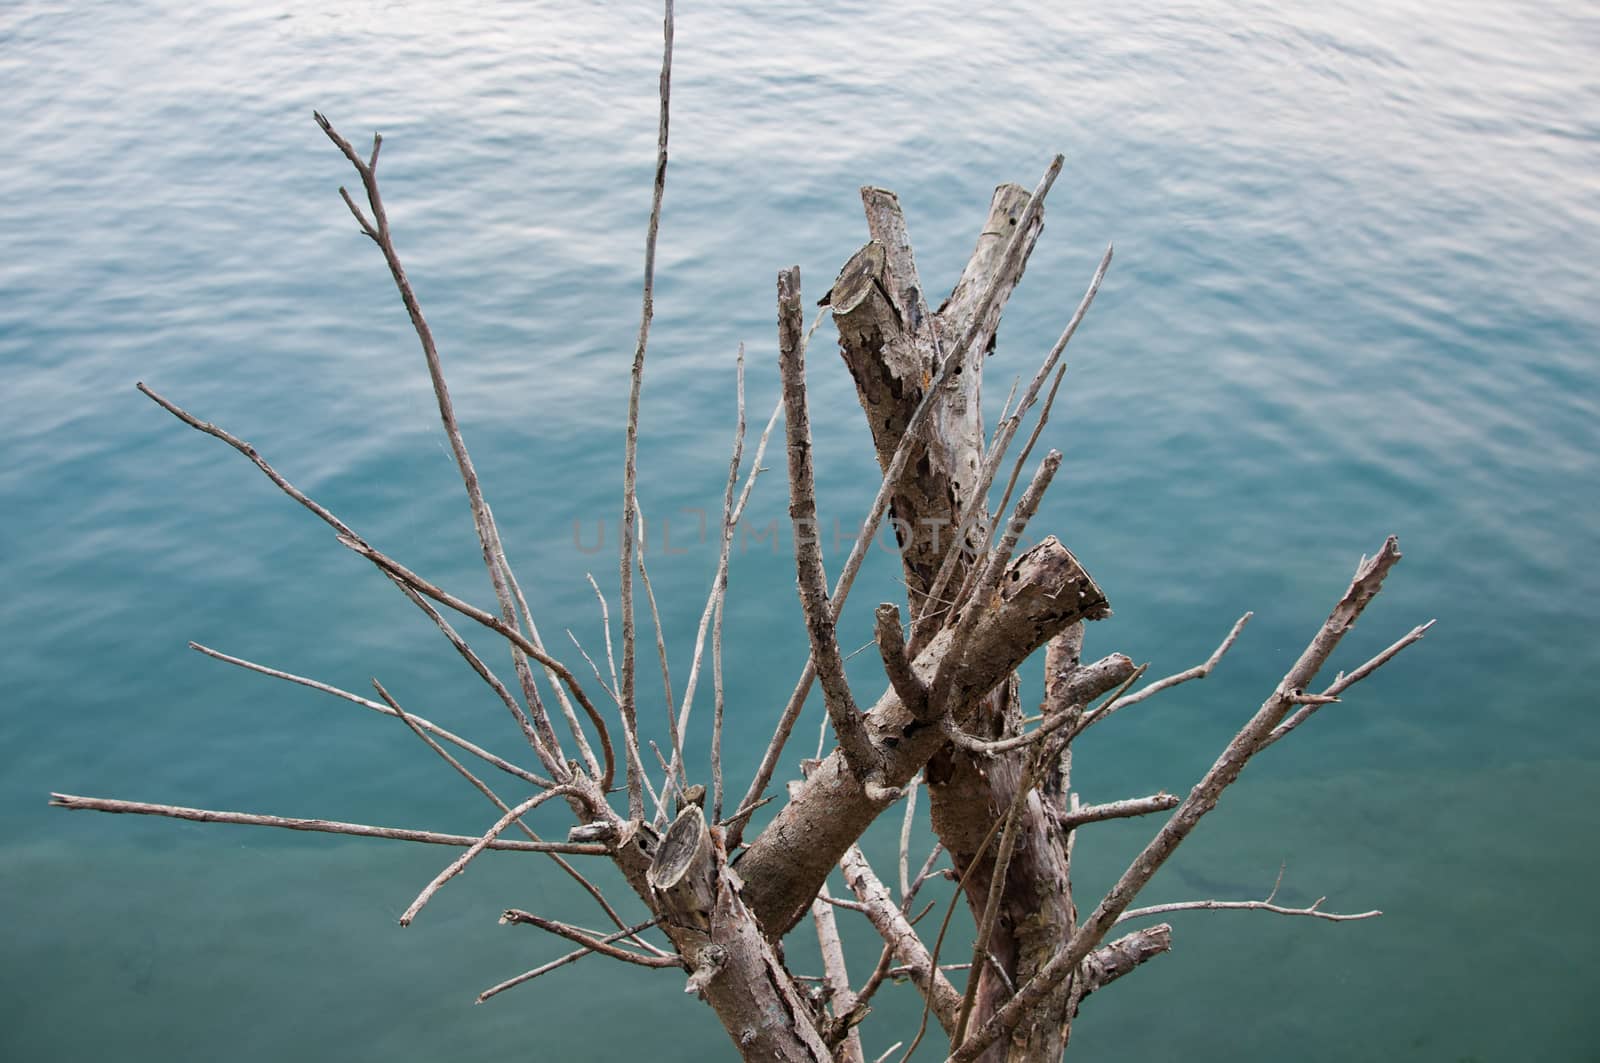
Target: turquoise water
pixel 1353 295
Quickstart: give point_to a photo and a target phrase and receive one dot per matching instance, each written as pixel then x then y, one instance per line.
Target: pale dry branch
pixel 836 977
pixel 585 750
pixel 1006 429
pixel 495 799
pixel 719 595
pixel 890 921
pixel 493 623
pixel 595 668
pixel 1366 584
pixel 1125 809
pixel 588 940
pixel 1199 671
pixel 1344 682
pixel 820 617
pixel 348 537
pixel 367 703
pixel 992 569
pixel 661 647
pixel 605 627
pixel 571 957
pixel 1313 910
pixel 630 724
pixel 529 732
pixel 906 824
pixel 494 555
pixel 322 826
pixel 460 863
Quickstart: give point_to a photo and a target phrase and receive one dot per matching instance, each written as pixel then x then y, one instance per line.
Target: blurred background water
pixel 1353 295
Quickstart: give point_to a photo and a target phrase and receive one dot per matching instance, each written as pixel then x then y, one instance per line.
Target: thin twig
pixel 459 864
pixel 1053 722
pixel 950 910
pixel 585 750
pixel 321 826
pixel 820 618
pixel 493 623
pixel 1345 682
pixel 1314 910
pixel 1005 430
pixel 605 626
pixel 1199 671
pixel 571 957
pixel 367 703
pixel 595 668
pixel 476 663
pixel 630 470
pixel 348 537
pixel 495 799
pixel 719 595
pixel 593 944
pixel 661 649
pixel 494 555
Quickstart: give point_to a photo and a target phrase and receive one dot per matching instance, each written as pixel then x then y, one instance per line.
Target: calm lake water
pixel 1354 294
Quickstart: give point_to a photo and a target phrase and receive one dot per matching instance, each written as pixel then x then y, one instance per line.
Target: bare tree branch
pixel 836 976
pixel 1199 671
pixel 1345 682
pixel 460 863
pixel 367 703
pixel 891 642
pixel 820 618
pixel 890 922
pixel 1133 806
pixel 571 957
pixel 1005 430
pixel 630 724
pixel 493 623
pixel 720 593
pixel 895 469
pixel 494 555
pixel 1366 584
pixel 322 826
pixel 590 942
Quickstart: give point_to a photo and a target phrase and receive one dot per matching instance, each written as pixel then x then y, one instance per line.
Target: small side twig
pixel 589 941
pixel 571 957
pixel 321 826
pixel 630 471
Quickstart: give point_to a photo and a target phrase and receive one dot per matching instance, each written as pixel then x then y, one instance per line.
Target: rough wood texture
pixel 733 967
pixel 1044 591
pixel 813 583
pixel 890 343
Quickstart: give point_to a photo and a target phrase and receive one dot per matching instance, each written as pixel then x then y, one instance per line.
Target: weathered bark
pixel 1044 591
pixel 891 344
pixel 888 342
pixel 734 968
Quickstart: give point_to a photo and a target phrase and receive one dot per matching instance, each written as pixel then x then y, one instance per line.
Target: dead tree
pixel 946 715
